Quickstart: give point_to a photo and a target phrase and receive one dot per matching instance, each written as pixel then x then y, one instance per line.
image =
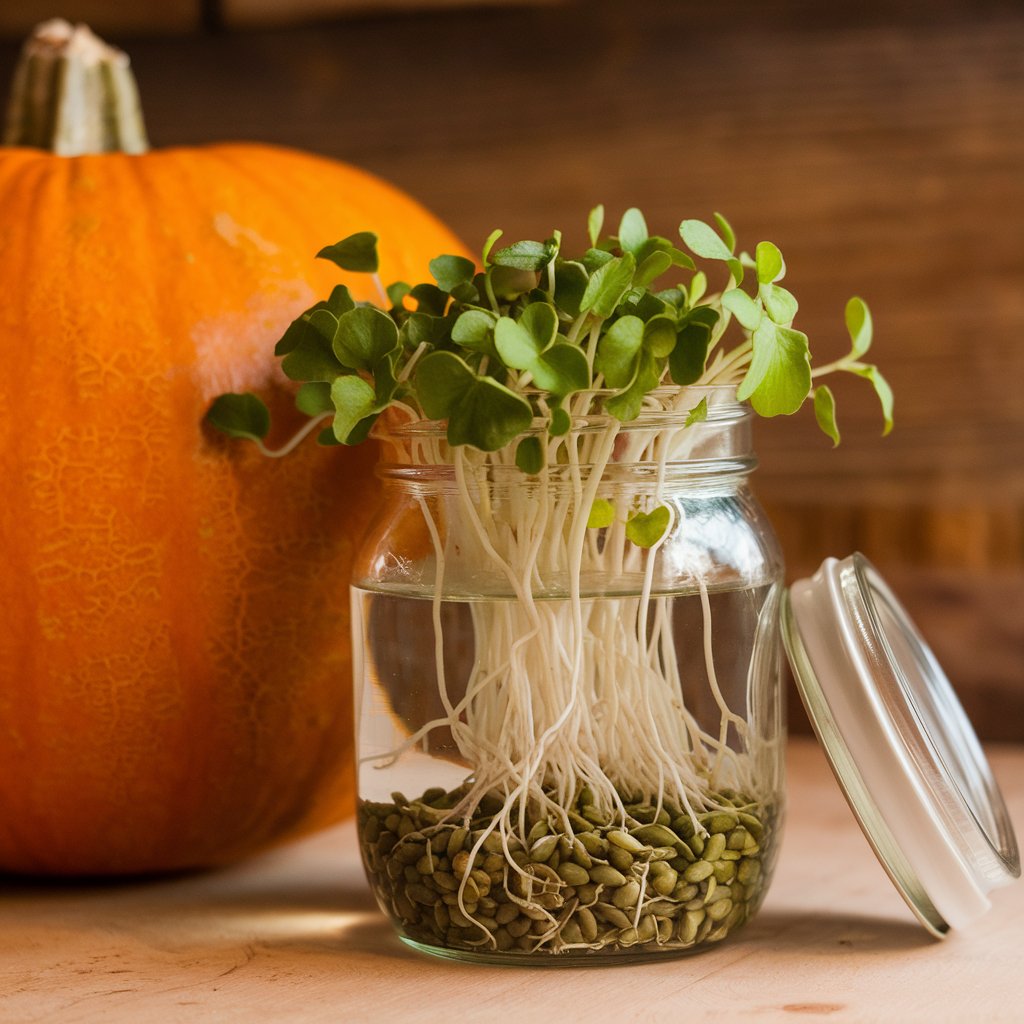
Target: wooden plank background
pixel 883 151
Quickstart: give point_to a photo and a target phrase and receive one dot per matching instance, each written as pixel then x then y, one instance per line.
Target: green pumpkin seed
pixel 539 830
pixel 720 910
pixel 625 841
pixel 698 872
pixel 573 873
pixel 506 912
pixel 687 929
pixel 421 894
pixel 725 870
pixel 626 895
pixel 719 822
pixel 612 915
pixel 619 858
pixel 605 874
pixel 714 847
pixel 456 841
pixel 748 871
pixel 543 848
pixel 593 844
pixel 655 835
pixel 664 882
pixel 587 923
pixel 699 884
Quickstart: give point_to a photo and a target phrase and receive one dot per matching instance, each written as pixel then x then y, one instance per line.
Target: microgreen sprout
pixel 551 370
pixel 539 336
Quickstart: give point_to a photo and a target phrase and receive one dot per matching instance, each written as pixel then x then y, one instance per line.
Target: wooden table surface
pixel 294 936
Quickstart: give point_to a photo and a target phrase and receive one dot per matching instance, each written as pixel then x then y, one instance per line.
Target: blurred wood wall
pixel 882 151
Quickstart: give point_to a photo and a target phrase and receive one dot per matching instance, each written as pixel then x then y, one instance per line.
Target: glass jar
pixel 569 708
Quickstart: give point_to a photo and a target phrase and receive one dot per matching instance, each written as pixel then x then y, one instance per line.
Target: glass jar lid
pixel 899 742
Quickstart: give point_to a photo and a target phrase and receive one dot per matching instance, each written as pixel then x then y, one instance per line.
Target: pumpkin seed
pixel 625 841
pixel 693 886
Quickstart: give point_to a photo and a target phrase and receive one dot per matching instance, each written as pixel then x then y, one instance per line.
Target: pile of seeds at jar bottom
pixel 652 882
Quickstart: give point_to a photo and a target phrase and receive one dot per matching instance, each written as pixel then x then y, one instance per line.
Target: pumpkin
pixel 175 685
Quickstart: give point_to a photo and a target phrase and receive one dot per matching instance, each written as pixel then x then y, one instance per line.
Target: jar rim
pixel 661 410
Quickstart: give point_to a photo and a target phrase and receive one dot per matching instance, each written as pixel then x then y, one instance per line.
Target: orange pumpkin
pixel 174 638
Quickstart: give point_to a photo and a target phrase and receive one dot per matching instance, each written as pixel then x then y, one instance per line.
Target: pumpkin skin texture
pixel 175 676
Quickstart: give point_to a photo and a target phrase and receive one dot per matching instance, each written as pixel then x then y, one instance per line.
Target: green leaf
pixel 488 416
pixel 385 384
pixel 660 335
pixel 354 401
pixel 488 246
pixel 525 255
pixel 312 359
pixel 314 398
pixel 240 416
pixel 466 293
pixel 562 370
pixel 686 362
pixel 422 327
pixel 515 344
pixel 340 300
pixel 779 377
pixel 698 414
pixel 298 330
pixel 595 221
pixel 882 389
pixel 698 286
pixel 602 514
pixel 702 239
pixel 474 330
pixel 357 252
pixel 652 267
pixel 617 350
pixel 429 299
pixel 607 285
pixel 594 259
pixel 632 231
pixel 509 283
pixel 442 379
pixel 365 336
pixel 727 232
pixel 561 422
pixel 780 304
pixel 825 412
pixel 768 262
pixel 396 291
pixel 326 437
pixel 858 323
pixel 650 305
pixel 645 529
pixel 451 271
pixel 530 455
pixel 746 310
pixel 626 405
pixel 656 243
pixel 540 319
pixel 324 322
pixel 673 300
pixel 570 285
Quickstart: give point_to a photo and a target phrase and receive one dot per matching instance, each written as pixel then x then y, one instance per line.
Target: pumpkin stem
pixel 74 94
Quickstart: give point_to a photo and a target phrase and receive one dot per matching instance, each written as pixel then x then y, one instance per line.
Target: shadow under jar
pixel 569 707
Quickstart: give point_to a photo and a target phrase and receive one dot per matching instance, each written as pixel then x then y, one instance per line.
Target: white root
pixel 570 688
